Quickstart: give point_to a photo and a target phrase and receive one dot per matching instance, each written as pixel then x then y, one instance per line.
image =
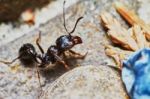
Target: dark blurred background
pixel 10 10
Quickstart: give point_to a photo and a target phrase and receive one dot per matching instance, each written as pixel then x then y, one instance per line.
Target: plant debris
pixel 132 18
pixel 118 34
pixel 129 40
pixel 117 54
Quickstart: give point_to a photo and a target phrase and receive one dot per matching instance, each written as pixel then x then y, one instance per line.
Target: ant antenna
pixel 76 25
pixel 6 62
pixel 64 16
pixel 65 21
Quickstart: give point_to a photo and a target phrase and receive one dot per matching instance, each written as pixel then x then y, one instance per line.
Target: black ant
pixel 28 54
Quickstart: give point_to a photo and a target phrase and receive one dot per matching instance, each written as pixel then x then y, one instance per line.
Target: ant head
pixel 76 40
pixel 65 21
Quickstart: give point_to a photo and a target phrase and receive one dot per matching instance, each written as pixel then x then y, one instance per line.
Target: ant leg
pixel 78 54
pixel 64 55
pixel 61 61
pixel 37 43
pixel 6 62
pixel 38 74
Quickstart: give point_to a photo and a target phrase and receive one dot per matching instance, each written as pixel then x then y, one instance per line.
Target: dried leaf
pixel 119 35
pixel 132 18
pixel 139 36
pixel 117 54
pixel 132 39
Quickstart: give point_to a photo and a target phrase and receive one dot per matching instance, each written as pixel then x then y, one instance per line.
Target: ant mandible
pixel 28 54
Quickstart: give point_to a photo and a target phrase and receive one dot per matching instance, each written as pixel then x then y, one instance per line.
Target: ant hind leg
pixel 39 80
pixel 61 61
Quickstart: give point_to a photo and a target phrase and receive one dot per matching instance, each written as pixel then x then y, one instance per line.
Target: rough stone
pixel 88 82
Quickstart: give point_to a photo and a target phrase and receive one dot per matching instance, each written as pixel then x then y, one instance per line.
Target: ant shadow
pixel 59 69
pixel 52 73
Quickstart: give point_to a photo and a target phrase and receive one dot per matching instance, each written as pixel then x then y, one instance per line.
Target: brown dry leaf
pixel 131 39
pixel 132 18
pixel 117 54
pixel 119 35
pixel 139 36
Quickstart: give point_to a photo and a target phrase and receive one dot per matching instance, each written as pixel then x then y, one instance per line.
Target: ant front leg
pixel 59 59
pixel 38 44
pixel 78 54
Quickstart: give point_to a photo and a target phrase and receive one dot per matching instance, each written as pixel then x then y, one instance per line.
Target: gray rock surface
pixel 88 82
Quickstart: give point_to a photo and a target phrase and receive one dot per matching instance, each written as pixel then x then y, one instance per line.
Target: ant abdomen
pixel 27 54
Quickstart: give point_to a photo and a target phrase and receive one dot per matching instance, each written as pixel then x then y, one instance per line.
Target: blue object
pixel 136 74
